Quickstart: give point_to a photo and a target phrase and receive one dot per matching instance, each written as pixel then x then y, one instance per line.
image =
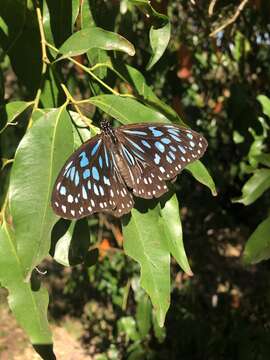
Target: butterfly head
pixel 106 127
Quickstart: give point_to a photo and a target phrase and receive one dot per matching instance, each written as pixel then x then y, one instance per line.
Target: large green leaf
pixel 38 159
pixel 200 173
pixel 170 220
pixel 145 243
pixel 127 110
pixel 95 37
pixel 255 187
pixel 258 245
pixel 28 306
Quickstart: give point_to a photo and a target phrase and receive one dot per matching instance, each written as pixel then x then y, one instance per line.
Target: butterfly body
pixel 137 159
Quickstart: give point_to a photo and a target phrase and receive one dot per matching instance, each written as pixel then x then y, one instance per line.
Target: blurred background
pixel 215 84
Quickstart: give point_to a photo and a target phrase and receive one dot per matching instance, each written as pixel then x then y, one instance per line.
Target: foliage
pixel 131 61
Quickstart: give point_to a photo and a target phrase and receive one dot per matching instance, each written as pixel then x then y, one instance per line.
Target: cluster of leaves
pixel 70 65
pixel 53 131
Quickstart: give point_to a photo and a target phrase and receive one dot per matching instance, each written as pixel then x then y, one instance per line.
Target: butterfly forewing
pixel 156 153
pixel 89 183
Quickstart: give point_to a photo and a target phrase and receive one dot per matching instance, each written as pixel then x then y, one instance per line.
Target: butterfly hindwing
pixel 89 183
pixel 156 153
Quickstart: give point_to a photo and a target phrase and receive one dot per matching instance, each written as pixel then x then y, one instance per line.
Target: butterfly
pixel 104 173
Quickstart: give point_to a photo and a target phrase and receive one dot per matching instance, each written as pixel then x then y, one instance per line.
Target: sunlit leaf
pixel 84 40
pixel 28 306
pixel 39 157
pixel 144 242
pixel 159 39
pixel 255 187
pixel 127 110
pixel 265 102
pixel 170 220
pixel 258 245
pixel 200 173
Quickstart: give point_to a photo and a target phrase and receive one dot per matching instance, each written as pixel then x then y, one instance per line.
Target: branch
pixel 231 20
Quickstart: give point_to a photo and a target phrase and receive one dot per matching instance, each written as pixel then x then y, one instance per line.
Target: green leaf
pixel 255 187
pixel 12 110
pixel 127 110
pixel 159 39
pixel 136 79
pixel 71 248
pixel 265 102
pixel 170 220
pixel 127 325
pixel 263 159
pixel 94 55
pixel 28 306
pixel 95 37
pixel 52 94
pixel 143 314
pixel 144 242
pixel 58 19
pixel 200 173
pixel 258 245
pixel 39 157
pixel 160 31
pixel 22 43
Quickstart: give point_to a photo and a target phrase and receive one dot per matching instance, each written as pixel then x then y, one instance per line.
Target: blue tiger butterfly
pixel 106 171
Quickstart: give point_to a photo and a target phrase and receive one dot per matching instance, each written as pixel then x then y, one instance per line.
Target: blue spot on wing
pixel 135 132
pixel 135 145
pixel 63 190
pixel 146 144
pixel 86 174
pixel 106 156
pixel 128 155
pixel 95 148
pixel 189 135
pixel 100 161
pixel 77 178
pixel 165 140
pixel 84 160
pixel 160 146
pixel 95 173
pixel 155 132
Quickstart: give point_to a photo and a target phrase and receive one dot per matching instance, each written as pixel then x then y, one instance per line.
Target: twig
pixel 231 20
pixel 211 7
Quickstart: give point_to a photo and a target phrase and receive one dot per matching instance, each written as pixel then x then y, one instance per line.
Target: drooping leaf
pixel 200 173
pixel 255 187
pixel 95 37
pixel 160 31
pixel 159 39
pixel 144 242
pixel 258 245
pixel 170 220
pixel 38 159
